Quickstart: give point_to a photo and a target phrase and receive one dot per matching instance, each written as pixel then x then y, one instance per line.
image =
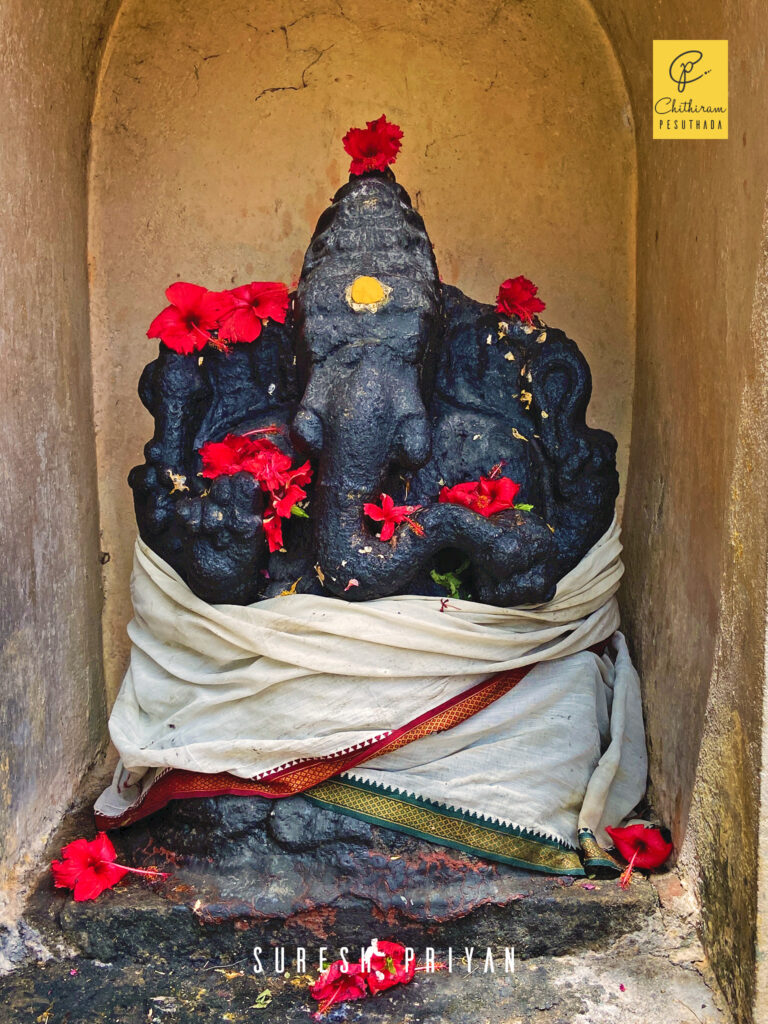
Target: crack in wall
pixel 303 84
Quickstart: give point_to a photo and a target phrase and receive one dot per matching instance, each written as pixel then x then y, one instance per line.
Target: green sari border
pixel 460 830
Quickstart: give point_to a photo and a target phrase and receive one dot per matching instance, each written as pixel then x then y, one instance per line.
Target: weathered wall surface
pixel 52 713
pixel 217 144
pixel 695 513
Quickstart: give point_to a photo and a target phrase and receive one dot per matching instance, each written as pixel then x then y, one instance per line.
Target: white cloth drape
pixel 247 690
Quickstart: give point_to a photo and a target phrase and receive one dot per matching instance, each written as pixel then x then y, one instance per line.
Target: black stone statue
pixel 399 385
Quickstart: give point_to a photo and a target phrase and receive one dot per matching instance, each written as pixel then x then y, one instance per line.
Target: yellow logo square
pixel 690 88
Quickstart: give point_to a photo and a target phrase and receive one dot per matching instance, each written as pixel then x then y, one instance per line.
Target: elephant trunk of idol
pixel 365 428
pixel 366 431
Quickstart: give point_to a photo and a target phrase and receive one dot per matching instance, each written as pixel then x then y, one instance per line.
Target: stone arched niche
pixel 217 143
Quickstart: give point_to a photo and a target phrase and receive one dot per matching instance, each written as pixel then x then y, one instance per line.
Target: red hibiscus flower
pixel 291 492
pixel 273 530
pixel 644 846
pixel 517 297
pixel 391 515
pixel 241 454
pixel 185 326
pixel 272 469
pixel 252 305
pixel 224 458
pixel 485 496
pixel 386 966
pixel 374 147
pixel 88 868
pixel 338 984
pixel 268 464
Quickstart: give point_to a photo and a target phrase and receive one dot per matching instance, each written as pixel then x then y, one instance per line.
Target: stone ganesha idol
pixel 443 443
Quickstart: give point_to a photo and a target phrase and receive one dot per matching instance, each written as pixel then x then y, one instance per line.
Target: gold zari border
pixel 496 843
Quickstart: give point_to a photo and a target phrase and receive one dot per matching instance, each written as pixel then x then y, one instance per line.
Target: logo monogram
pixel 697 106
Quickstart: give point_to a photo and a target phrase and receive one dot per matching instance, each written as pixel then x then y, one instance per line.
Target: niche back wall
pixel 217 144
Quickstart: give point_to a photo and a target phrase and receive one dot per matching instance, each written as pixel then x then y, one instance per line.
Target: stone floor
pixel 256 873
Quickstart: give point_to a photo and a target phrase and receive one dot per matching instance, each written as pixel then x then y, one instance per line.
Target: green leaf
pixel 297 510
pixel 524 508
pixel 263 999
pixel 452 581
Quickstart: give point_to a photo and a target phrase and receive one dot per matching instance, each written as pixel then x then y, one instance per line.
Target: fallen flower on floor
pixel 388 966
pixel 338 984
pixel 643 845
pixel 382 966
pixel 88 868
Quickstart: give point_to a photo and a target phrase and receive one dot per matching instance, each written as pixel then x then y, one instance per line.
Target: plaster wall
pixel 52 708
pixel 695 521
pixel 217 144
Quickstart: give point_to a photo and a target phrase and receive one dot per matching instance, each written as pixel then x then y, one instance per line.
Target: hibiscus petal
pixel 387 530
pixel 285 502
pixel 184 340
pixel 102 848
pixel 65 873
pixel 169 319
pixel 375 512
pixel 374 147
pixel 110 874
pixel 185 296
pixel 273 531
pixel 240 325
pixel 88 886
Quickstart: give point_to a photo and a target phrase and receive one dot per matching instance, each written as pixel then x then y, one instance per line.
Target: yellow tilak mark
pixel 367 294
pixel 366 291
pixel 292 589
pixel 178 480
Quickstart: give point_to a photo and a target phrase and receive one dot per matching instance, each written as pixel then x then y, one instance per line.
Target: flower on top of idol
pixel 485 496
pixel 391 515
pixel 197 317
pixel 374 147
pixel 252 305
pixel 88 868
pixel 517 297
pixel 185 325
pixel 641 844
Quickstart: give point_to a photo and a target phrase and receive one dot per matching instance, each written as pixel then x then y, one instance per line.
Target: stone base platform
pixel 247 871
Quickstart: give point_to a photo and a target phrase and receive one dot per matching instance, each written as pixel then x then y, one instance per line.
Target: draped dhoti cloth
pixel 515 734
